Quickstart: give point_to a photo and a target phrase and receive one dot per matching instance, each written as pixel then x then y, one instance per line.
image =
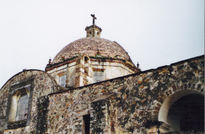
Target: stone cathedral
pixel 93 87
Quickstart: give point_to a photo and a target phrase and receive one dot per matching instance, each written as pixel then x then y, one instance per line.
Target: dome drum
pixel 93 59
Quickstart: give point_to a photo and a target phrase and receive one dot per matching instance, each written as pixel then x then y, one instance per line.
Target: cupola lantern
pixel 93 30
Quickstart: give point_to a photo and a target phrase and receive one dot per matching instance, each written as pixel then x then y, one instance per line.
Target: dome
pixel 92 46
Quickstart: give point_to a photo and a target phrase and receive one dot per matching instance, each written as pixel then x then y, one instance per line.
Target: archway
pixel 183 111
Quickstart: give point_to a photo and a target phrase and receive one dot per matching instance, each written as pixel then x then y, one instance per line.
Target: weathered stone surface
pixel 125 104
pixel 42 84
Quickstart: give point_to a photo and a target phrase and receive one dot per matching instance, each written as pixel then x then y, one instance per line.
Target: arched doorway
pixel 183 111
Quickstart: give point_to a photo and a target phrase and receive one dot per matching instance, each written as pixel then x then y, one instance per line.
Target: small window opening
pixel 22 108
pixel 86 59
pixel 98 76
pixel 86 124
pixel 62 80
pixel 19 106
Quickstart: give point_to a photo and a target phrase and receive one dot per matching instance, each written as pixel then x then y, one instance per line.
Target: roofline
pixel 67 61
pixel 138 73
pixel 19 73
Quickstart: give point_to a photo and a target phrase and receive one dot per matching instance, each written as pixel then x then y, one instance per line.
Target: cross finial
pixel 94 18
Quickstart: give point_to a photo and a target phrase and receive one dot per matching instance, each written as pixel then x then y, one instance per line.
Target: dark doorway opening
pixel 86 124
pixel 187 113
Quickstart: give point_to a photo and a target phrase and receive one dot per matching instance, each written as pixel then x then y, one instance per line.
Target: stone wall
pixel 42 84
pixel 125 104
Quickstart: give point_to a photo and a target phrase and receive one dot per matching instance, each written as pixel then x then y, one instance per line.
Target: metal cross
pixel 94 18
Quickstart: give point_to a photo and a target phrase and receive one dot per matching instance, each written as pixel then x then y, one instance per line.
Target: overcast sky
pixel 153 32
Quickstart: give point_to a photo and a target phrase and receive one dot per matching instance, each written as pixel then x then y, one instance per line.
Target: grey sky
pixel 153 32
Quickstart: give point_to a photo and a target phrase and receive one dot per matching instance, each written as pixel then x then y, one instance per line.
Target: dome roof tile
pixel 92 46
